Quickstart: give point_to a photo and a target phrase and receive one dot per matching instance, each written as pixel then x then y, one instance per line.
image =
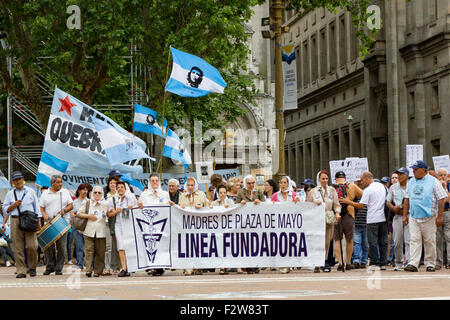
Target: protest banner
pixel 442 162
pixel 71 180
pixel 263 235
pixel 414 152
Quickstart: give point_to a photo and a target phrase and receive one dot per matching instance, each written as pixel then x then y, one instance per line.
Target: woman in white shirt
pixel 120 210
pixel 95 232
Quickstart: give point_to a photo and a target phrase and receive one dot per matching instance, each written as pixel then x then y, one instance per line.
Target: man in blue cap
pixel 394 201
pixel 425 204
pixel 22 198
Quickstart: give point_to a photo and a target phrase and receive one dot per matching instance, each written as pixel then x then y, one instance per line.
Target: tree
pixel 91 62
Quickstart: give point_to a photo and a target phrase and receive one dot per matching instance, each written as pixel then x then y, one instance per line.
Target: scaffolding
pixel 28 156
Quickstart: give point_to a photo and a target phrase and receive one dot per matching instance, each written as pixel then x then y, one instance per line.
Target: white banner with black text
pixel 263 235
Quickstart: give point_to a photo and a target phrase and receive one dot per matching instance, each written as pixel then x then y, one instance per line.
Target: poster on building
pixel 204 171
pixel 263 235
pixel 442 162
pixel 352 167
pixel 289 67
pixel 414 152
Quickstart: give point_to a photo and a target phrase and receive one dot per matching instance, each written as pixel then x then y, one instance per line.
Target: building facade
pixel 371 107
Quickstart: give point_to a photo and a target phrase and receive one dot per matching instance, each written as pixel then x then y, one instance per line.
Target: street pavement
pixel 303 284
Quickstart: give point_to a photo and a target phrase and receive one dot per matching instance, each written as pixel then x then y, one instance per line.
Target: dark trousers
pixel 377 236
pixel 5 252
pixel 55 255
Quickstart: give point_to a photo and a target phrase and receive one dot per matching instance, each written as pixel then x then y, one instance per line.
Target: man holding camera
pixel 22 198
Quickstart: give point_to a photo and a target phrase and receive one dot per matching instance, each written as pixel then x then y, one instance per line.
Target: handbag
pixel 112 221
pixel 330 217
pixel 80 223
pixel 3 242
pixel 28 220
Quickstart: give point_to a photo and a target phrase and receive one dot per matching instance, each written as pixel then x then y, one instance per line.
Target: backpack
pixel 341 190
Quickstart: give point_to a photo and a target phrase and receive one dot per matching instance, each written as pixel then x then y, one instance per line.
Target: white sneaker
pixel 8 264
pixel 70 262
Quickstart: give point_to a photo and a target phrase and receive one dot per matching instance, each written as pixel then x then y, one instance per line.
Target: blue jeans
pixel 360 245
pixel 391 252
pixel 377 236
pixel 79 248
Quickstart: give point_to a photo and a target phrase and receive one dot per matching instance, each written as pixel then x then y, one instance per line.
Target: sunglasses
pixel 97 192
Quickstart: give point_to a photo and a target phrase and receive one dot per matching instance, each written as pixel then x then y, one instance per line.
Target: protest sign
pixel 414 152
pixel 442 162
pixel 352 167
pixel 263 235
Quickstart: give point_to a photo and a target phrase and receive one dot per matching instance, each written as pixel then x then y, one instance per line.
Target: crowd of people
pixel 398 220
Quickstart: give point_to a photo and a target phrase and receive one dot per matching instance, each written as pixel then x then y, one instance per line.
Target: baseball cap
pixel 385 179
pixel 17 175
pixel 376 180
pixel 115 173
pixel 402 170
pixel 339 174
pixel 307 181
pixel 419 164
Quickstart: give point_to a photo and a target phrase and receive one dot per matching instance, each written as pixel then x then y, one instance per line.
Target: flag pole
pixel 163 115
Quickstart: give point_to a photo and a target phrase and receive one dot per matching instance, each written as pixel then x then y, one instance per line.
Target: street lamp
pixel 274 21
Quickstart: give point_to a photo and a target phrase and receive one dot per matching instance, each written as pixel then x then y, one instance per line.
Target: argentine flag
pixel 135 183
pixel 146 120
pixel 118 147
pixel 192 76
pixel 174 149
pixel 49 166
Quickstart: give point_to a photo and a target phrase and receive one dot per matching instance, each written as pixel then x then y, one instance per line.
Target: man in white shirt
pixel 374 197
pixel 154 196
pixel 56 200
pixel 24 199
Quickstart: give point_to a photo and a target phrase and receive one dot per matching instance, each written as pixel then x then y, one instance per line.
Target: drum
pixel 52 231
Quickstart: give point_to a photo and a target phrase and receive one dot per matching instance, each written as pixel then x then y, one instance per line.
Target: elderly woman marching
pixel 118 207
pixel 325 195
pixel 193 198
pixel 95 211
pixel 249 193
pixel 285 194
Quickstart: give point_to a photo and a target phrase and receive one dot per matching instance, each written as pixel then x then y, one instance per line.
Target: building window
pixel 305 64
pixel 354 44
pixel 298 61
pixel 314 62
pixel 435 106
pixel 332 44
pixel 342 41
pixel 412 105
pixel 323 53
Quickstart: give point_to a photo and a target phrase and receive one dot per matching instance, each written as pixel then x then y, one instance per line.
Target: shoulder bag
pixel 330 217
pixel 80 223
pixel 28 220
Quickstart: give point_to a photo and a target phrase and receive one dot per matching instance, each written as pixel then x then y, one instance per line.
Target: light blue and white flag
pixel 4 183
pixel 49 166
pixel 175 149
pixel 72 137
pixel 192 76
pixel 135 183
pixel 146 120
pixel 118 147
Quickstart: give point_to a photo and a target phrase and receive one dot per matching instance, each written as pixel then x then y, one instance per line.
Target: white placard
pixel 442 162
pixel 414 152
pixel 352 167
pixel 282 234
pixel 204 171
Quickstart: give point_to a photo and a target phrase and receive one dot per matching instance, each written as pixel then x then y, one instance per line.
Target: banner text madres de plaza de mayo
pixel 263 235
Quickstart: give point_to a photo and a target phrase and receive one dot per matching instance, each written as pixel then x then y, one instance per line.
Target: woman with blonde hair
pixel 325 195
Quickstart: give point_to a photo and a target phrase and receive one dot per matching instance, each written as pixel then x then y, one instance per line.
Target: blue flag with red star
pixel 72 137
